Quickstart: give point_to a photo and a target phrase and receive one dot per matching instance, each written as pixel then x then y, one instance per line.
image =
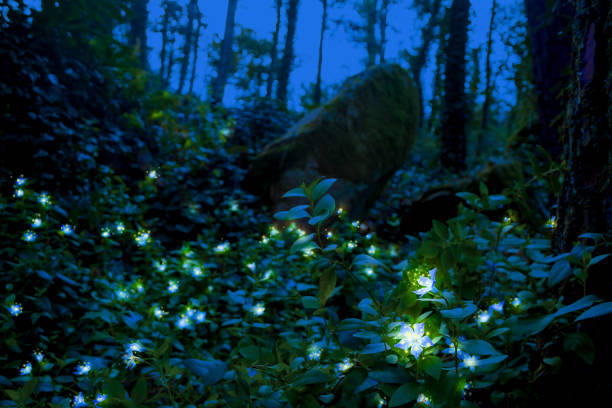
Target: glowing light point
pixel 29 236
pixel 15 309
pixel 340 211
pixel 498 307
pixel 134 347
pixel 152 175
pixel 413 338
pixel 265 239
pixel 234 207
pixel 196 272
pixel 552 223
pixel 142 238
pixel 26 369
pixel 19 192
pixel 251 266
pixel 36 222
pixel 200 316
pixel 83 368
pixel 120 227
pixel 516 302
pixel 39 356
pixel 258 309
pixel 44 199
pixel 369 272
pixel 173 286
pixel 330 235
pixel 267 275
pixel 105 233
pixel 372 250
pixel 427 284
pixel 222 248
pixel 183 322
pixel 470 362
pixel 351 245
pixel 79 401
pixel 274 232
pixel 422 399
pixel 100 398
pixel 483 317
pixel 67 229
pixel 159 312
pixel 344 365
pixel 314 353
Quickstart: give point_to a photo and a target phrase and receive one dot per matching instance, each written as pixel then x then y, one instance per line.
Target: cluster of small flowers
pixel 79 400
pixel 129 358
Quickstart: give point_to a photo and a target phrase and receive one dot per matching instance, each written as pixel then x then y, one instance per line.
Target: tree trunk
pixel 487 102
pixel 420 59
pixel 382 26
pixel 164 31
pixel 225 60
pixel 317 90
pixel 138 30
pixel 171 61
pixel 187 43
pixel 196 44
pixel 550 45
pixel 274 51
pixel 288 54
pixel 454 116
pixel 371 43
pixel 585 204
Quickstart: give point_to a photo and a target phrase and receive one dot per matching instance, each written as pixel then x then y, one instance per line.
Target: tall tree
pixel 317 90
pixel 274 50
pixel 454 116
pixel 168 27
pixel 225 61
pixel 138 30
pixel 196 44
pixel 486 107
pixel 382 25
pixel 418 61
pixel 585 204
pixel 551 46
pixel 286 64
pixel 188 34
pixel 370 9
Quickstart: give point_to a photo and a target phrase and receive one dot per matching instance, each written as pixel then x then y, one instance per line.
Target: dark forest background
pixel 372 246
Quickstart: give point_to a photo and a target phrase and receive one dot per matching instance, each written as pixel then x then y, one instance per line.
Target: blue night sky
pixel 342 57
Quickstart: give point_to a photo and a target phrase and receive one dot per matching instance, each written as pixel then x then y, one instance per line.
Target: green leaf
pixel 326 205
pixel 594 236
pixel 139 392
pixel 471 198
pixel 404 394
pixel 295 213
pixel 296 192
pixel 327 284
pixel 492 360
pixel 432 365
pixel 27 390
pixel 310 302
pixel 210 372
pixel 460 312
pixel 366 260
pixel 303 243
pixel 598 259
pixel 595 311
pixel 581 344
pixel 560 271
pixel 314 376
pixel 581 303
pixel 441 230
pixel 321 188
pixel 478 347
pixel 113 388
pixel 429 249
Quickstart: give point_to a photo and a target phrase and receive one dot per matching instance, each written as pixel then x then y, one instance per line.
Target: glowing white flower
pixel 516 302
pixel 497 307
pixel 372 250
pixel 30 236
pixel 20 181
pixel 314 353
pixel 222 248
pixel 159 312
pixel 483 317
pixel 36 222
pixel 26 368
pixel 79 401
pixel 258 309
pixel 344 365
pixel 173 286
pixel 427 284
pixel 119 227
pixel 44 199
pixel 15 309
pixel 470 362
pixel 83 368
pixel 19 192
pixel 142 238
pixel 413 338
pixel 38 355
